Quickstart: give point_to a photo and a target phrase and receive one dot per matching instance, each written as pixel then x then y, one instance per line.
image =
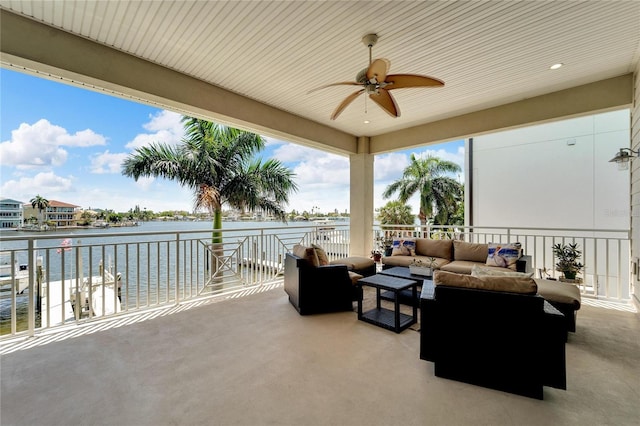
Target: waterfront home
pixel 11 213
pixel 57 212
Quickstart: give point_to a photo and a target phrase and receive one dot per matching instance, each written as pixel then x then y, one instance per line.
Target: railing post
pixel 177 268
pixel 31 311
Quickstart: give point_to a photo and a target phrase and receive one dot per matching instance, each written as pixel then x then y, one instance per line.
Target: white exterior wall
pixel 635 184
pixel 554 175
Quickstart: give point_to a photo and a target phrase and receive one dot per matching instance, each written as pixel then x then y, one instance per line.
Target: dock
pixel 59 300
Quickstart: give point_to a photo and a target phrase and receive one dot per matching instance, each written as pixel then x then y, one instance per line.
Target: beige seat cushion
pixel 354 262
pixel 354 277
pixel 507 284
pixel 559 292
pixel 459 267
pixel 390 261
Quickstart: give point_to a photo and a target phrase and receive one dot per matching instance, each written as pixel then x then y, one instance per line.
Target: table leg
pixel 360 301
pixel 378 297
pixel 396 299
pixel 415 303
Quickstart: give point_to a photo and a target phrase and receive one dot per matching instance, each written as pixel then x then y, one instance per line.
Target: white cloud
pixel 25 188
pixel 164 120
pixel 107 162
pixel 41 144
pixel 144 183
pixel 165 127
pixel 322 170
pixel 289 153
pixel 390 166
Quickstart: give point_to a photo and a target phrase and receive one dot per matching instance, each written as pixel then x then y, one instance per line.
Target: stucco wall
pixel 553 175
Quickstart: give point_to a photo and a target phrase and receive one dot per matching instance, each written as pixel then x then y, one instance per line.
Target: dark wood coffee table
pixel 405 296
pixel 390 319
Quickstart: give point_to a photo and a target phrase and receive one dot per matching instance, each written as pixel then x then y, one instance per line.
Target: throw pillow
pixel 323 259
pixel 306 253
pixel 403 247
pixel 504 255
pixel 490 271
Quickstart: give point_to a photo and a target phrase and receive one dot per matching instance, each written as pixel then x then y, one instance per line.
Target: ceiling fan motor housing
pixel 362 76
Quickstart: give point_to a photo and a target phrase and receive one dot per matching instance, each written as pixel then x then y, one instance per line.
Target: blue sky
pixel 67 144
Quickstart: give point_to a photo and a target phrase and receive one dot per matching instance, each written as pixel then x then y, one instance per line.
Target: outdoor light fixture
pixel 623 156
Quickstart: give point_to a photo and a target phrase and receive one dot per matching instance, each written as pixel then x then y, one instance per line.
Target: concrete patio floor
pixel 253 361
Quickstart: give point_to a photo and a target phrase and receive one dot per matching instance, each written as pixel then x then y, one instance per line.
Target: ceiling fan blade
pixel 342 83
pixel 378 70
pixel 400 81
pixel 345 103
pixel 386 101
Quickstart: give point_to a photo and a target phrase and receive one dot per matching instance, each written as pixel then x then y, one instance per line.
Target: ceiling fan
pixel 377 83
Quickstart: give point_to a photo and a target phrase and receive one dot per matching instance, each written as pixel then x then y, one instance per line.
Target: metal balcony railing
pixel 69 279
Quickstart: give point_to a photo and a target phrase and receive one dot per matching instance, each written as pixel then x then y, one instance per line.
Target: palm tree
pixel 217 162
pixel 395 213
pixel 428 178
pixel 41 204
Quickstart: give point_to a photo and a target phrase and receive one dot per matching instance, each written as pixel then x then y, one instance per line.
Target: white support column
pixel 361 199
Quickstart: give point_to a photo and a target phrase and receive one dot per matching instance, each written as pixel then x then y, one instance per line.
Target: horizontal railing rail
pixel 75 278
pixel 606 253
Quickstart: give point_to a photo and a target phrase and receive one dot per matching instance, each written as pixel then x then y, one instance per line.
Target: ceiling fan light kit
pixel 376 82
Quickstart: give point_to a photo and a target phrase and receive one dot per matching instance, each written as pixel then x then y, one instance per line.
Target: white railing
pixel 606 253
pixel 77 278
pixel 108 274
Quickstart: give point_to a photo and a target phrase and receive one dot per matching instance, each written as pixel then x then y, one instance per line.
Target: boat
pixel 13 276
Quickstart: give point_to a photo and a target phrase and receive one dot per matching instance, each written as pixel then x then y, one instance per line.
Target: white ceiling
pixel 488 53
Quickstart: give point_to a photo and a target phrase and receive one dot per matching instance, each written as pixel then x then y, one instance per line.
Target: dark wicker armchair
pixel 320 289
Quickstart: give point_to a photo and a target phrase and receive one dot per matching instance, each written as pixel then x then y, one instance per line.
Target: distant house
pixel 11 213
pixel 59 213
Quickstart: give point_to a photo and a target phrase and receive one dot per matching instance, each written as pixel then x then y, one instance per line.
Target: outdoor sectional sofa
pixel 494 332
pixel 461 257
pixel 449 255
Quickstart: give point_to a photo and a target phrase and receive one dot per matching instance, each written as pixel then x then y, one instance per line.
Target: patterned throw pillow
pixel 504 255
pixel 323 259
pixel 403 247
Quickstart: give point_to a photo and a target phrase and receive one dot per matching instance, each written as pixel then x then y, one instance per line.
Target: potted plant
pixel 568 260
pixel 388 246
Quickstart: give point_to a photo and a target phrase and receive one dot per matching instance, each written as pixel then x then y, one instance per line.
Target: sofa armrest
pixel 524 264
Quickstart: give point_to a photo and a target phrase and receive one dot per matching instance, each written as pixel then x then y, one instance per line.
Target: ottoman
pixel 565 297
pixel 360 265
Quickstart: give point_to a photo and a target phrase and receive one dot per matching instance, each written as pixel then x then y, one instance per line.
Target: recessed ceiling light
pixel 555 66
pixel 366 122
